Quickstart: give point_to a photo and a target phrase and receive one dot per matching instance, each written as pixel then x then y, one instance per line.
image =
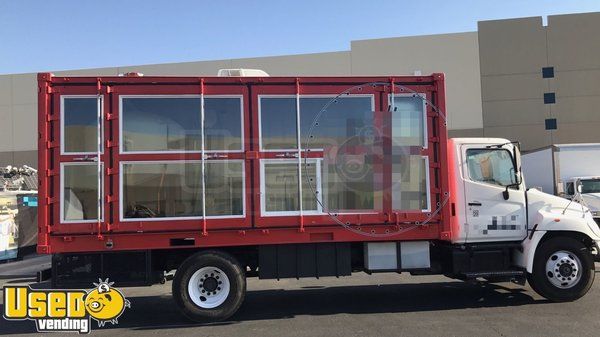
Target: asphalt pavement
pixel 360 305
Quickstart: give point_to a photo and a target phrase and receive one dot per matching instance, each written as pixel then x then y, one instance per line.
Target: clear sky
pixel 49 35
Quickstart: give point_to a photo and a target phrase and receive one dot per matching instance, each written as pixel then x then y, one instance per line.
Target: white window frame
pixel 260 97
pixel 294 161
pixel 121 138
pixel 62 192
pixel 136 162
pixel 62 124
pixel 427 185
pixel 424 102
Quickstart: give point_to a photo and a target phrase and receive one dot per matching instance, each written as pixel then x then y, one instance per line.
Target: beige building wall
pixel 574 51
pixel 454 54
pixel 512 55
pixel 494 77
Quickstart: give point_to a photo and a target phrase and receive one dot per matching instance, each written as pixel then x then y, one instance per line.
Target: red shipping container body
pixel 117 231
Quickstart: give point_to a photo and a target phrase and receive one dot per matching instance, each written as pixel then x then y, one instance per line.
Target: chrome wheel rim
pixel 209 287
pixel 563 269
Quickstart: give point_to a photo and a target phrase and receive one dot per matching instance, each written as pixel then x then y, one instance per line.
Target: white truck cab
pixel 558 238
pixel 589 193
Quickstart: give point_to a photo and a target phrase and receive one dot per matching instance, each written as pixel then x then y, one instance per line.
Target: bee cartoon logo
pixel 56 310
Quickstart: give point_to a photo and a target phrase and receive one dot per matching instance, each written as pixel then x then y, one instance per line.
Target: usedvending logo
pixel 65 310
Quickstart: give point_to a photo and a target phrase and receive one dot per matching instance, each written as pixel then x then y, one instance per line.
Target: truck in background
pixel 559 168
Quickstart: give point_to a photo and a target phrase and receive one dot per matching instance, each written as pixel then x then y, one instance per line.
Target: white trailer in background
pixel 556 168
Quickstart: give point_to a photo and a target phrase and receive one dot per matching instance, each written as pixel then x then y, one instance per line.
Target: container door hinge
pixel 111 198
pixel 110 116
pixel 51 173
pixel 112 171
pixel 53 117
pixel 51 145
pixel 111 143
pixel 50 201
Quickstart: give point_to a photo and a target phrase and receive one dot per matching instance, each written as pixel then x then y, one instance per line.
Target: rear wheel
pixel 209 286
pixel 563 270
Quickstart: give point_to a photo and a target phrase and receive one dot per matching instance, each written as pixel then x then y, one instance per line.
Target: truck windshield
pixel 590 186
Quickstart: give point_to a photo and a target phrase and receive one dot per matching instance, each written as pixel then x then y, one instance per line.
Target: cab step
pixel 494 274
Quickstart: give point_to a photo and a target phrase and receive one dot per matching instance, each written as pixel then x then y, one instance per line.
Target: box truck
pixel 560 168
pixel 224 178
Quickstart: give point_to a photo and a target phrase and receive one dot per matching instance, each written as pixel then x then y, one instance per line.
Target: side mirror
pixel 578 185
pixel 505 193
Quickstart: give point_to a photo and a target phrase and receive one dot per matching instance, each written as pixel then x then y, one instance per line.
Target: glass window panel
pixel 346 118
pixel 80 192
pixel 224 188
pixel 349 183
pixel 311 188
pixel 223 118
pixel 80 122
pixel 409 183
pixel 159 190
pixel 161 124
pixel 281 187
pixel 492 166
pixel 407 121
pixel 589 186
pixel 278 123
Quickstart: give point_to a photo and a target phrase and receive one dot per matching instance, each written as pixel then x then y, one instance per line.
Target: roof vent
pixel 242 73
pixel 131 74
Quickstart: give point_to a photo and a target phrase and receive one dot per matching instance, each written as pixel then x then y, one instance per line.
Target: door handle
pixel 86 158
pixel 474 204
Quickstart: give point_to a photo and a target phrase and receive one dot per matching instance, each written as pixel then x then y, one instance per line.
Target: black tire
pixel 539 282
pixel 237 286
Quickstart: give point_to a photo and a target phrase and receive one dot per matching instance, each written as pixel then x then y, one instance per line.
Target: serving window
pixel 409 113
pixel 79 124
pixel 339 122
pixel 173 189
pixel 79 193
pixel 280 189
pixel 328 125
pixel 410 183
pixel 164 124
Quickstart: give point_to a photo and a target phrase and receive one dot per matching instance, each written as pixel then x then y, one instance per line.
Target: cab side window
pixel 491 166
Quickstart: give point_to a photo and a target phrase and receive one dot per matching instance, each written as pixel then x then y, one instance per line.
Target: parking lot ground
pixel 361 305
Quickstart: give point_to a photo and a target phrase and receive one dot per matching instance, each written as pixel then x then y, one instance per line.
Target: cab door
pixel 487 173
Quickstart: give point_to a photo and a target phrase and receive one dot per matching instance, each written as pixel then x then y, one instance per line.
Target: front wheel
pixel 563 270
pixel 209 286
